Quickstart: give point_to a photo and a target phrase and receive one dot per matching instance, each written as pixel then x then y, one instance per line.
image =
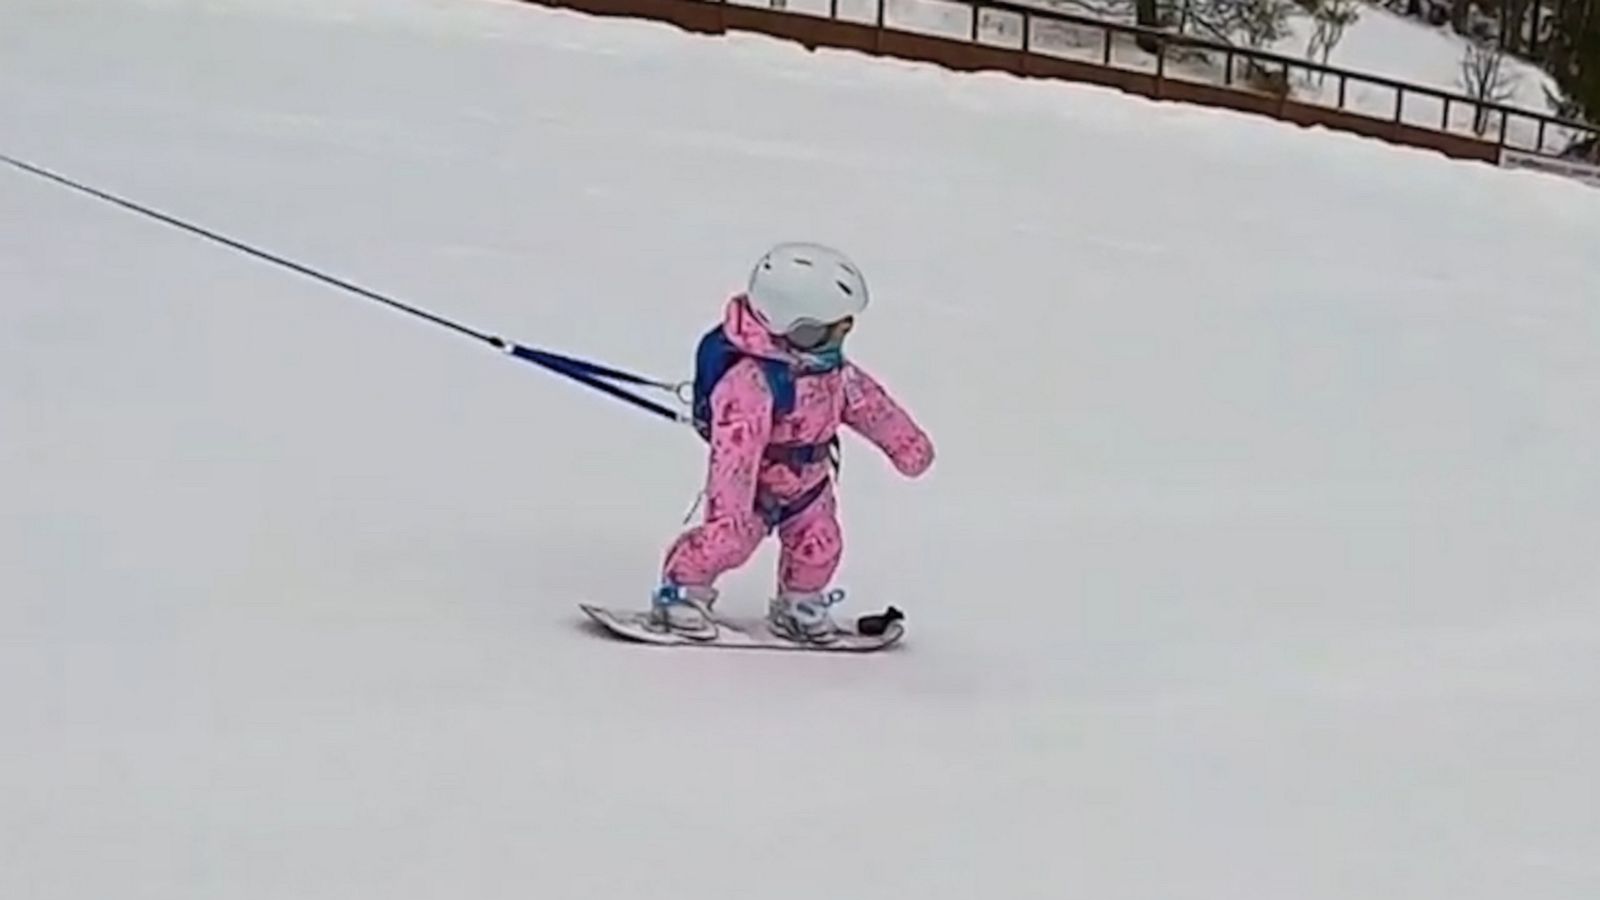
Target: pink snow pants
pixel 811 546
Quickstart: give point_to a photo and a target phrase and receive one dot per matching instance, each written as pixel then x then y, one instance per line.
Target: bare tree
pixel 1330 19
pixel 1147 15
pixel 1257 23
pixel 1486 80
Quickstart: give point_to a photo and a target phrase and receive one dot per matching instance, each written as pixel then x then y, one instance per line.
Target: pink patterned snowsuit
pixel 742 427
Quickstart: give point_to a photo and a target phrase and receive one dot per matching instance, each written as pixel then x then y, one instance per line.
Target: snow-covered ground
pixel 1404 49
pixel 1259 560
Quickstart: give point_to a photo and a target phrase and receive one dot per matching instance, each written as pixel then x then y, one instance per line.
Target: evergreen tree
pixel 1573 59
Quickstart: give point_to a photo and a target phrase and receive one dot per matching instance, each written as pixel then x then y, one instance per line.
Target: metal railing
pixel 1192 60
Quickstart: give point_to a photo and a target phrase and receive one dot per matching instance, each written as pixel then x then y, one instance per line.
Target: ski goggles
pixel 808 335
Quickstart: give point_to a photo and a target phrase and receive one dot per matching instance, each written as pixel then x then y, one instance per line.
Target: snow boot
pixel 802 616
pixel 685 610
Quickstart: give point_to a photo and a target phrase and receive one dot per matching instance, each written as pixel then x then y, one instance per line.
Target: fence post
pixel 1106 33
pixel 1540 147
pixel 1444 120
pixel 1343 82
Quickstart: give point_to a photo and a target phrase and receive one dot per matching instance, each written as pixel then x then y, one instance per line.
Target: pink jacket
pixel 742 425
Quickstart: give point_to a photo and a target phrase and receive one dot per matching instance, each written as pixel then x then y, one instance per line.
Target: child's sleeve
pixel 870 410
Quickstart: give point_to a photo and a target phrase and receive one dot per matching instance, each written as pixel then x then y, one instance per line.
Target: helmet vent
pixel 846 288
pixel 802 261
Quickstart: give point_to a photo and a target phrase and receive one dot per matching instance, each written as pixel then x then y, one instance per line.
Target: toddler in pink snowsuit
pixel 774 472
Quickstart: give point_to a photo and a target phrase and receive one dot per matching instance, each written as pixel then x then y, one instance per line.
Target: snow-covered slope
pixel 1383 43
pixel 1405 49
pixel 1258 561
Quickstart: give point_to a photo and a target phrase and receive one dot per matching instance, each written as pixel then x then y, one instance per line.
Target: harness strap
pixel 775 512
pixel 797 455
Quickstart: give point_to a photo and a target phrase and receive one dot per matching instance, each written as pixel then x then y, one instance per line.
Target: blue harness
pixel 713 358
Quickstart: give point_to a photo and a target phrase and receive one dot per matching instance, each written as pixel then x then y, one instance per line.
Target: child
pixel 772 388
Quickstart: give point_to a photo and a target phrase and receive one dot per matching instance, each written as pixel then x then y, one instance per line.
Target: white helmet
pixel 805 284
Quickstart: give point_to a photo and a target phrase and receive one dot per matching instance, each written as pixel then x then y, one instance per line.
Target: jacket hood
pixel 746 331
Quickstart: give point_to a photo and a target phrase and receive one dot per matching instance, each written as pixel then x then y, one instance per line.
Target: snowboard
pixel 748 632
